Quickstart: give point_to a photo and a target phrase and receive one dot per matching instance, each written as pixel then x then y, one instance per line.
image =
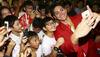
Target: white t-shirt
pixel 17 41
pixel 47 45
pixel 39 50
pixel 41 34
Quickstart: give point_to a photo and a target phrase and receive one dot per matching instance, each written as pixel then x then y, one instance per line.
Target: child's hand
pixel 27 52
pixel 3 31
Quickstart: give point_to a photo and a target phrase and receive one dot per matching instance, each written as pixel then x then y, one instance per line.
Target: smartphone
pixel 6 24
pixel 85 14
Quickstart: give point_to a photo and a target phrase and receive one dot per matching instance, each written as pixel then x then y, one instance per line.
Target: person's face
pixel 34 42
pixel 50 26
pixel 5 3
pixel 29 9
pixel 17 27
pixel 60 13
pixel 5 12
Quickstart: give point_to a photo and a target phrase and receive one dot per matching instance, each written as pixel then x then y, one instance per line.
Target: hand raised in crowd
pixel 10 47
pixel 85 26
pixel 32 14
pixel 3 31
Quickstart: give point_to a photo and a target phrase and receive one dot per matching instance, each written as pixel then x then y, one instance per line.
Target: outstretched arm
pixel 85 26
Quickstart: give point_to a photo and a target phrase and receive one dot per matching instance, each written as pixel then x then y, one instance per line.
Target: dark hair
pixel 26 3
pixel 37 23
pixel 31 34
pixel 11 20
pixel 45 20
pixel 53 6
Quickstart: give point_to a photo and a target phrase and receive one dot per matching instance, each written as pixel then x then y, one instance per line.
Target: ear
pixel 44 28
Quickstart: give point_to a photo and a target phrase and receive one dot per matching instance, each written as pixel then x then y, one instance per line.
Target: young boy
pixel 49 42
pixel 33 41
pixel 16 29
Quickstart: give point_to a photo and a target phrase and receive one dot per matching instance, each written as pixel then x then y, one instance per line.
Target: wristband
pixel 56 49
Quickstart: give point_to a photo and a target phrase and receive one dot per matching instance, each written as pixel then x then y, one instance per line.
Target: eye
pixel 61 9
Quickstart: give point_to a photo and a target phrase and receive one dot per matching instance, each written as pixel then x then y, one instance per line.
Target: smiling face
pixel 60 13
pixel 50 26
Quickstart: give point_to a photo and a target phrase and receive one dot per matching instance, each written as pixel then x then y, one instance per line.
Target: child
pixel 16 29
pixel 49 42
pixel 33 41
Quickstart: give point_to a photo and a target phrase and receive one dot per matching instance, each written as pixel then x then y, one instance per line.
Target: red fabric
pixel 23 21
pixel 98 45
pixel 67 47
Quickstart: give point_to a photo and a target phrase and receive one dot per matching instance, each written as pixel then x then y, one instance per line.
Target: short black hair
pixel 11 20
pixel 31 34
pixel 27 3
pixel 45 20
pixel 37 23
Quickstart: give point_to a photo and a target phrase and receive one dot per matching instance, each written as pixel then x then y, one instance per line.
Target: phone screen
pixel 85 14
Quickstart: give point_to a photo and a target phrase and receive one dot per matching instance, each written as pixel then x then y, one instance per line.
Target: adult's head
pixel 60 12
pixel 4 11
pixel 28 6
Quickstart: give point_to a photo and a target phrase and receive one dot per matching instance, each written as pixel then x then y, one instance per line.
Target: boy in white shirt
pixel 16 29
pixel 49 42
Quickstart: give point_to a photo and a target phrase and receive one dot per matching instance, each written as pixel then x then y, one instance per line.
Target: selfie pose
pixel 74 31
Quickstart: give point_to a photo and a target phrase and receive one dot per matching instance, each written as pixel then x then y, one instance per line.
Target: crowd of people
pixel 30 28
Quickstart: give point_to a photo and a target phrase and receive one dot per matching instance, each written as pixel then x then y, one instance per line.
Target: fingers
pixel 2 28
pixel 27 51
pixel 93 21
pixel 96 22
pixel 90 11
pixel 3 32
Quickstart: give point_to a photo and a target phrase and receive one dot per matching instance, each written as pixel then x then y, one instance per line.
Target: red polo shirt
pixel 67 47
